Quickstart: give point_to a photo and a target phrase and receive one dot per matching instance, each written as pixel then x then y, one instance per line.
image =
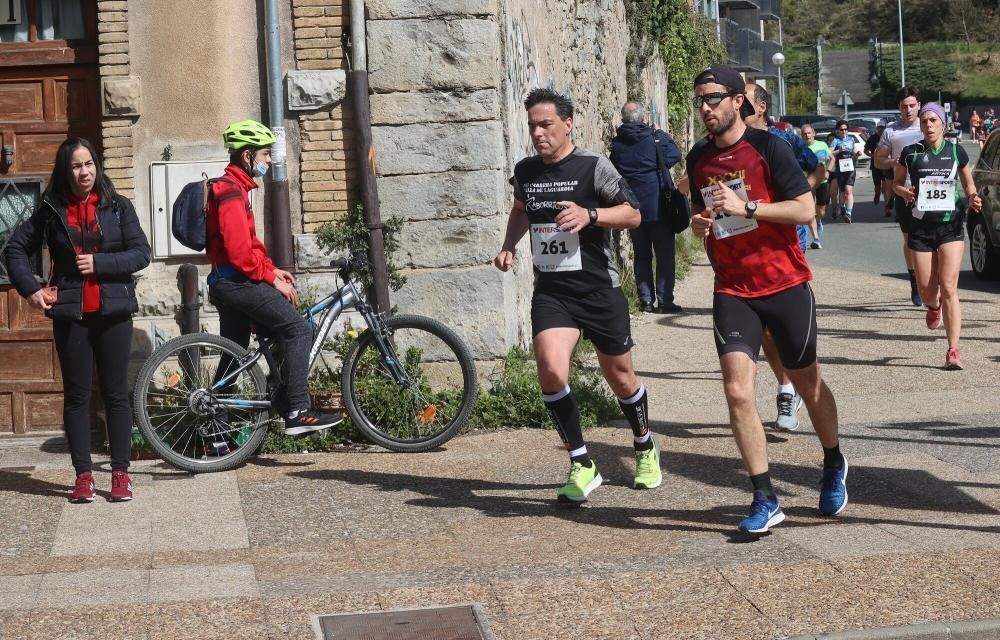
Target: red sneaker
pixel 83 491
pixel 121 486
pixel 934 319
pixel 953 361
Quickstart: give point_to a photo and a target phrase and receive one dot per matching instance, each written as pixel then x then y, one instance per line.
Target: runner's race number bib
pixel 935 194
pixel 724 226
pixel 845 165
pixel 554 250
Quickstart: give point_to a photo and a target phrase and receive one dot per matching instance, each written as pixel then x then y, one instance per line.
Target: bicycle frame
pixel 329 308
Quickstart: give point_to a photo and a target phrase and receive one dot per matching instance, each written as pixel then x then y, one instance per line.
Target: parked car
pixel 864 160
pixel 868 123
pixel 984 227
pixel 799 120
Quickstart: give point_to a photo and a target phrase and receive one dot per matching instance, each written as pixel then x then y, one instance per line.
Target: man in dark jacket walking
pixel 634 153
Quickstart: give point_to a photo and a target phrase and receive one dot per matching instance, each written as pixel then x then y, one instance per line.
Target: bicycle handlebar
pixel 347 265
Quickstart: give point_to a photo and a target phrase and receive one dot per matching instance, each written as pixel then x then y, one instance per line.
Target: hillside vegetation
pixel 848 23
pixel 949 47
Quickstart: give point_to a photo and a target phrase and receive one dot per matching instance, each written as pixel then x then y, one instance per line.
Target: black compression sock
pixel 636 410
pixel 832 458
pixel 762 482
pixel 566 416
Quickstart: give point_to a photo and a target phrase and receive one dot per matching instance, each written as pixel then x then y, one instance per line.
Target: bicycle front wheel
pixel 188 424
pixel 426 409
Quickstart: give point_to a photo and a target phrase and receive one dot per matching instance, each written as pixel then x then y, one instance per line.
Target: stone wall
pixel 326 123
pixel 119 94
pixel 449 78
pixel 436 115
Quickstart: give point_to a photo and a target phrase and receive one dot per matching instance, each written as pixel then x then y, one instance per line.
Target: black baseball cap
pixel 731 79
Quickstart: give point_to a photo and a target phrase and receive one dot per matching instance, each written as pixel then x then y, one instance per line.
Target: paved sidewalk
pixel 254 553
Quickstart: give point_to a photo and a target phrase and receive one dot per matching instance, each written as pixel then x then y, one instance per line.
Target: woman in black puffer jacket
pixel 96 245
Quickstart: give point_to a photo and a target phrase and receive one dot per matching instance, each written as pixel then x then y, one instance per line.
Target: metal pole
pixel 902 64
pixel 819 75
pixel 277 192
pixel 365 155
pixel 187 282
pixel 781 94
pixel 781 78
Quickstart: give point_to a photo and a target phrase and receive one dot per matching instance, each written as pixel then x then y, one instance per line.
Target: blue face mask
pixel 260 170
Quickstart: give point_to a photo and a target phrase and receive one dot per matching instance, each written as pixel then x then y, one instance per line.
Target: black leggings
pixel 80 343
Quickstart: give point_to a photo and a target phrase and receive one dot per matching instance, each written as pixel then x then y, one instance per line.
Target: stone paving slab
pixel 254 553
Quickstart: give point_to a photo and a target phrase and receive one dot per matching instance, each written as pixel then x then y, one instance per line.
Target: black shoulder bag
pixel 675 203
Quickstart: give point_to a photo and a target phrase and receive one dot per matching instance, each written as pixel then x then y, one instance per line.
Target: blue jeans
pixel 246 303
pixel 649 238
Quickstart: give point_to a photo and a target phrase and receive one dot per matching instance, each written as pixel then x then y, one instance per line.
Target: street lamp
pixel 779 59
pixel 902 65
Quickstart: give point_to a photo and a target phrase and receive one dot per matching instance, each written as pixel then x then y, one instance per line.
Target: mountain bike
pixel 204 403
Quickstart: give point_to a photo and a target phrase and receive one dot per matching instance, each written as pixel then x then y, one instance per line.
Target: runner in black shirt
pixel 936 236
pixel 570 200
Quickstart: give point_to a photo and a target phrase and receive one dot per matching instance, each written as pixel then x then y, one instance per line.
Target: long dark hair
pixel 58 189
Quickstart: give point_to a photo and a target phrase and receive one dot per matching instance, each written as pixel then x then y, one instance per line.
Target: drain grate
pixel 463 622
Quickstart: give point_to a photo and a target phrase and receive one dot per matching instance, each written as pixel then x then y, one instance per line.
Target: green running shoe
pixel 647 468
pixel 580 482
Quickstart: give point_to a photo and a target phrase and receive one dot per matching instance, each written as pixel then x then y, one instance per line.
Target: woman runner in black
pixel 933 164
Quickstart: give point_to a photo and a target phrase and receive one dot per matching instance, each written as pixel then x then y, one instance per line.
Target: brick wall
pixel 327 135
pixel 116 132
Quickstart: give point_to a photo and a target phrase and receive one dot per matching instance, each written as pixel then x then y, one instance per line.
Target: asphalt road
pixel 873 243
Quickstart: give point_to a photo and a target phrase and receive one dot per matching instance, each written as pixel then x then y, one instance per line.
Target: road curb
pixel 988 629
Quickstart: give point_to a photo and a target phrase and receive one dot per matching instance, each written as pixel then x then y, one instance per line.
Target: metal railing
pixel 728 34
pixel 770 9
pixel 748 51
pixel 768 68
pixel 19 197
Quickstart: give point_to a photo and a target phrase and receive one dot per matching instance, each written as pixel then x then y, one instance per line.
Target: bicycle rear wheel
pixel 435 401
pixel 182 419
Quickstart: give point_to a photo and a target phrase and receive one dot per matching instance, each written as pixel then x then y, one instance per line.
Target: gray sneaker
pixel 788 411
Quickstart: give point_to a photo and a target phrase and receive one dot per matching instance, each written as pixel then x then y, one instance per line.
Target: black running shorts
pixel 602 315
pixel 845 180
pixel 790 315
pixel 929 236
pixel 822 194
pixel 903 214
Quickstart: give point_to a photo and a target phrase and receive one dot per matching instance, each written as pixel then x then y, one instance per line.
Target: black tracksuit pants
pixel 80 343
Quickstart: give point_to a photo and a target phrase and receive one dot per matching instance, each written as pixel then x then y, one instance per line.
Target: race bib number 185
pixel 554 250
pixel 936 194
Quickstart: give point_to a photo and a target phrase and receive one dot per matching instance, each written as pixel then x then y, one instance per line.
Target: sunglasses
pixel 841 129
pixel 711 99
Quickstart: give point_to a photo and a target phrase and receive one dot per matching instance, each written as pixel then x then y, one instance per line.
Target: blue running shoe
pixel 764 513
pixel 833 494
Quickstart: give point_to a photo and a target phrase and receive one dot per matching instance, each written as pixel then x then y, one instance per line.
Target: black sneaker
pixel 669 307
pixel 310 421
pixel 646 307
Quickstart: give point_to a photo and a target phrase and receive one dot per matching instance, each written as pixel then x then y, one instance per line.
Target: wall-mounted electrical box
pixel 166 179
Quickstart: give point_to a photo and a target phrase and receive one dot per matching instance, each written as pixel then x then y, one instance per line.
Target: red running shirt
pixel 767 259
pixel 85 234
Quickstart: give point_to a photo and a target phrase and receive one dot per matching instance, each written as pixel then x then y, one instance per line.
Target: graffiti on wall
pixel 522 76
pixel 523 73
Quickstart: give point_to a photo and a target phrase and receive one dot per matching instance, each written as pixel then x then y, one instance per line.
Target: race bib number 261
pixel 554 250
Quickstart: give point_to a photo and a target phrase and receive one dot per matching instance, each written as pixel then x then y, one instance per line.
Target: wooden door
pixel 49 90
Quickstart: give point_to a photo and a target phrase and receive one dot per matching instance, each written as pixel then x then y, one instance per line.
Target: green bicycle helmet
pixel 247 133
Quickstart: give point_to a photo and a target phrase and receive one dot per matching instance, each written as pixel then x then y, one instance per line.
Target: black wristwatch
pixel 751 209
pixel 593 216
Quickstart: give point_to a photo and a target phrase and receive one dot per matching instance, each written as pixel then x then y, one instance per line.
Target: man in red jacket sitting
pixel 245 285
